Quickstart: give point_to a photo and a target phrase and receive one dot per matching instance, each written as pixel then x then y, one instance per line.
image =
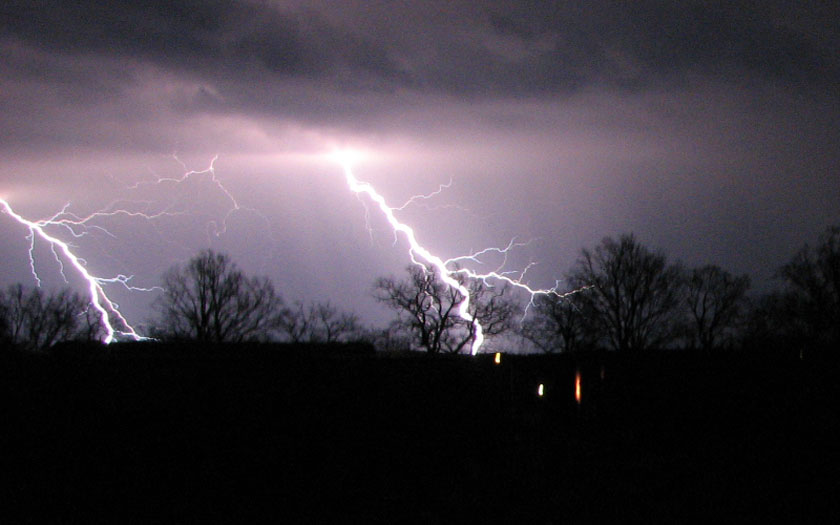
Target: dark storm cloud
pixel 629 41
pixel 193 35
pixel 499 48
pixel 186 34
pixel 144 68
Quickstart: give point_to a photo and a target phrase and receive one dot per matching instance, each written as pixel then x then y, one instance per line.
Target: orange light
pixel 577 386
pixel 498 358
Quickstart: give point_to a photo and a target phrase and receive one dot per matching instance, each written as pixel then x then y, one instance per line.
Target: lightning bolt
pixel 116 325
pixel 109 314
pixel 417 198
pixel 446 269
pixel 71 221
pixel 210 171
pixel 76 226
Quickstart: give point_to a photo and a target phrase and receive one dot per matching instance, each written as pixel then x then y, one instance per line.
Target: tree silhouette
pixel 34 320
pixel 320 323
pixel 634 294
pixel 812 278
pixel 210 300
pixel 391 339
pixel 558 324
pixel 715 300
pixel 774 321
pixel 428 309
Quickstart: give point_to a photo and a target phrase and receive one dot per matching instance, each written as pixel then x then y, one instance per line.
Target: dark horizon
pixel 179 433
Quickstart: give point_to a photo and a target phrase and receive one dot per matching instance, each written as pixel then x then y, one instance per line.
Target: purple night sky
pixel 707 129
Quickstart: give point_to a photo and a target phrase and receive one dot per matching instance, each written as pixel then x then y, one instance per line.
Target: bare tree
pixel 774 321
pixel 320 323
pixel 715 300
pixel 428 309
pixel 295 324
pixel 391 339
pixel 558 324
pixel 634 296
pixel 812 278
pixel 210 300
pixel 91 328
pixel 34 320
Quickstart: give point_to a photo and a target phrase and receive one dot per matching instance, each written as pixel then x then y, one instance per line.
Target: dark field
pixel 163 434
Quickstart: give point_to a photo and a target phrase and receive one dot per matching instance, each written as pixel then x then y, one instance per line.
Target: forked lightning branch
pixel 116 326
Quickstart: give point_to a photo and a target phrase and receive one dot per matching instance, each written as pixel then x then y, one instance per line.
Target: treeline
pixel 622 296
pixel 632 299
pixel 31 319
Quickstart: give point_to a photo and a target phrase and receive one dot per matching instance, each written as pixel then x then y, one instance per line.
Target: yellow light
pixel 540 390
pixel 498 358
pixel 577 386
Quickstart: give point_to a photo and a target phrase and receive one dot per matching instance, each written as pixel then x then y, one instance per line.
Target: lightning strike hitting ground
pixel 109 314
pixel 113 322
pixel 447 270
pixel 77 226
pixel 424 258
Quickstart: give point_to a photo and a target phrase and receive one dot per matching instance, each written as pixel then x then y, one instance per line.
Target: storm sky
pixel 708 129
